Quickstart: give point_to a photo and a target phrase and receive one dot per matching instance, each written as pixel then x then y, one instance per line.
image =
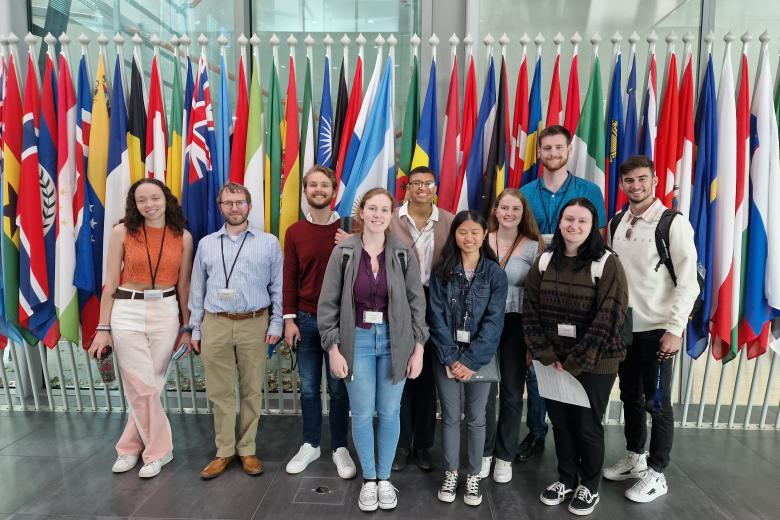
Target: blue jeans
pixel 371 389
pixel 536 408
pixel 310 357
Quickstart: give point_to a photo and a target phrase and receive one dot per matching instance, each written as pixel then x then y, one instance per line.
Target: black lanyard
pixel 235 259
pixel 154 271
pixel 547 218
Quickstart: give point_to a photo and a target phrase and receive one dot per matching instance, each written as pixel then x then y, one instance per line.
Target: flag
pixel 374 162
pixel 325 133
pixel 666 140
pixel 723 254
pixel 519 126
pixel 684 168
pixel 273 154
pixel 762 281
pixel 65 297
pixel 530 166
pixel 291 165
pixel 629 145
pixel 426 152
pixel 136 124
pixel 189 93
pixel 222 165
pixel 614 134
pixel 467 135
pixel 554 103
pixel 3 76
pixel 409 132
pixel 649 125
pixel 342 100
pixel 450 144
pixel 254 160
pixel 350 119
pixel 240 130
pixel 494 175
pixel 174 163
pixel 307 134
pixel 572 117
pixel 588 144
pixel 156 129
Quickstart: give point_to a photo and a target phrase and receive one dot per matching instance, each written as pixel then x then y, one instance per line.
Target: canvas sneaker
pixel 473 496
pixel 502 471
pixel 124 463
pixel 387 495
pixel 449 487
pixel 555 494
pixel 344 463
pixel 584 502
pixel 153 468
pixel 305 456
pixel 369 497
pixel 651 486
pixel 484 472
pixel 632 465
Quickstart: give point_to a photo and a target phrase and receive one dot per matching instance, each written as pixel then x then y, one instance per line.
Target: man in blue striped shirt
pixel 235 302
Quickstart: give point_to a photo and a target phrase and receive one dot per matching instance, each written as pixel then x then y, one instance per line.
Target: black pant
pixel 579 434
pixel 501 436
pixel 638 381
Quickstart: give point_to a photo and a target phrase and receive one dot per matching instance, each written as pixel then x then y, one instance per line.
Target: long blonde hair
pixel 527 226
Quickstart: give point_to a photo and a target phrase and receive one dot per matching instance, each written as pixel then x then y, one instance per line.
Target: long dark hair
pixel 591 250
pixel 174 215
pixel 450 255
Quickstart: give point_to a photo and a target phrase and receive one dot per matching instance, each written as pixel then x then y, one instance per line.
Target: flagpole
pixel 156 41
pixel 651 39
pixel 361 41
pixel 345 41
pixel 671 38
pixel 137 42
pixel 243 42
pixel 275 41
pixel 392 42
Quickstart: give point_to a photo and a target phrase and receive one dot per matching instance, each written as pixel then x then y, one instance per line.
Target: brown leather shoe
pixel 216 467
pixel 252 465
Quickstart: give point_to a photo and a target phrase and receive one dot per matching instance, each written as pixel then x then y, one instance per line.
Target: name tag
pixel 373 317
pixel 153 294
pixel 226 294
pixel 567 330
pixel 462 336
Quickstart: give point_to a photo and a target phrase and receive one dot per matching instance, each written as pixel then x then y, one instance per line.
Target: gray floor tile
pixel 25 516
pixel 68 435
pixel 23 479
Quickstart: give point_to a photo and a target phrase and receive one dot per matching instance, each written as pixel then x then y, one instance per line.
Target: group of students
pixel 415 303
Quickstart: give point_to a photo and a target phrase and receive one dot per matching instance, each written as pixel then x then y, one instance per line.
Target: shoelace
pixel 472 485
pixel 387 490
pixel 583 493
pixel 450 482
pixel 368 490
pixel 558 487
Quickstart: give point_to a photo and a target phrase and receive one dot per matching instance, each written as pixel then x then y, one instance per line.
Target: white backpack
pixel 596 268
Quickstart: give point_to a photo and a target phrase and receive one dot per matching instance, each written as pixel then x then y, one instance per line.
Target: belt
pixel 238 316
pixel 128 294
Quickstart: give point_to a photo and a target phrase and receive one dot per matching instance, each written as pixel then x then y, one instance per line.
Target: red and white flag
pixel 468 127
pixel 572 117
pixel 156 129
pixel 519 139
pixel 238 149
pixel 683 180
pixel 450 144
pixel 666 140
pixel 554 105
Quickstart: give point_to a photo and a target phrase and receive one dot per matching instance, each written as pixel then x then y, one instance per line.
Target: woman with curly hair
pixel 148 264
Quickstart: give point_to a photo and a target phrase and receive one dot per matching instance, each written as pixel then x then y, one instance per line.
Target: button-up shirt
pixel 422 239
pixel 256 277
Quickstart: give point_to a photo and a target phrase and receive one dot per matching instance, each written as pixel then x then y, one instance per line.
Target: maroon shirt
pixel 370 293
pixel 307 248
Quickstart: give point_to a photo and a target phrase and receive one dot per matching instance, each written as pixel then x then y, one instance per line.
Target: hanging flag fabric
pixel 238 145
pixel 614 134
pixel 374 162
pixel 409 132
pixel 189 93
pixel 572 117
pixel 325 132
pixel 666 140
pixel 554 103
pixel 683 180
pixel 222 166
pixel 649 125
pixel 629 144
pixel 472 183
pixel 65 297
pixel 174 163
pixel 273 154
pixel 156 128
pixel 307 137
pixel 350 119
pixel 588 144
pixel 723 255
pixel 762 265
pixel 703 208
pixel 254 160
pixel 494 176
pixel 530 166
pixel 136 123
pixel 519 126
pixel 426 152
pixel 467 135
pixel 448 179
pixel 3 76
pixel 291 165
pixel 342 100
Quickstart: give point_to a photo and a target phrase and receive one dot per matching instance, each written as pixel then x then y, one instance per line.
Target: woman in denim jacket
pixel 466 316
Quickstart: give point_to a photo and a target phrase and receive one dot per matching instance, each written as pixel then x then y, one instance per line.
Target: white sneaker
pixel 153 468
pixel 344 464
pixel 633 465
pixel 485 471
pixel 502 471
pixel 387 495
pixel 651 486
pixel 368 499
pixel 305 456
pixel 124 463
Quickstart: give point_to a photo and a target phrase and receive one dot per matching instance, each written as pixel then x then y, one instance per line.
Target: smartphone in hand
pixel 183 348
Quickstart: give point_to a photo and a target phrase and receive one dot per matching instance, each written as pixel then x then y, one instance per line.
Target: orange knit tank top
pixel 135 268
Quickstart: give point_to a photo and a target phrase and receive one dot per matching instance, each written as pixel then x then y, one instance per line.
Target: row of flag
pixel 72 149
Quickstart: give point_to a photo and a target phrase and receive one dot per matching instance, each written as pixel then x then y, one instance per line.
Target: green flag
pixel 174 167
pixel 588 145
pixel 254 165
pixel 409 133
pixel 307 134
pixel 273 155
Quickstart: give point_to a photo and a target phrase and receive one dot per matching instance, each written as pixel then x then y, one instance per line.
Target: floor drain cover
pixel 322 490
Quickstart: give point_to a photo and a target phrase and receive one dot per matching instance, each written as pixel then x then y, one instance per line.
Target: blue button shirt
pixel 547 205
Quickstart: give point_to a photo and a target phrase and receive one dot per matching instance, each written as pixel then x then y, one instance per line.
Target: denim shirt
pixel 484 299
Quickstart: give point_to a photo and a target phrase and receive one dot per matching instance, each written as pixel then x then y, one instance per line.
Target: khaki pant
pixel 226 345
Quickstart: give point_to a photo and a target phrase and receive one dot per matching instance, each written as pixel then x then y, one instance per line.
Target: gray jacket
pixel 405 310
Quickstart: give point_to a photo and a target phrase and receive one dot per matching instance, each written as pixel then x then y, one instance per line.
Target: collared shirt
pixel 333 218
pixel 422 239
pixel 256 277
pixel 546 204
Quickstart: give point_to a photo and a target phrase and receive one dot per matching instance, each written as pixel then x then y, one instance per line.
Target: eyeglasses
pixel 629 231
pixel 419 184
pixel 227 204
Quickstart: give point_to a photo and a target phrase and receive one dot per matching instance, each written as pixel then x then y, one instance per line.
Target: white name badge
pixel 226 294
pixel 153 294
pixel 462 336
pixel 373 317
pixel 567 330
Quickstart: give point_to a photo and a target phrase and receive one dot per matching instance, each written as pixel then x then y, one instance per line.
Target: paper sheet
pixel 560 385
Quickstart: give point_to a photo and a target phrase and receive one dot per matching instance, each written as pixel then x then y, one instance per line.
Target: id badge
pixel 226 294
pixel 373 317
pixel 462 336
pixel 567 330
pixel 153 294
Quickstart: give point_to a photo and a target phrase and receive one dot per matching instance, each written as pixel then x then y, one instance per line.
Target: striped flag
pixel 467 134
pixel 683 180
pixel 254 160
pixel 238 146
pixel 291 165
pixel 325 134
pixel 530 166
pixel 136 123
pixel 350 118
pixel 519 126
pixel 189 93
pixel 273 154
pixel 494 176
pixel 307 135
pixel 649 124
pixel 554 103
pixel 173 173
pixel 572 117
pixel 589 144
pixel 409 132
pixel 629 144
pixel 156 129
pixel 666 140
pixel 222 164
pixel 65 296
pixel 450 143
pixel 426 152
pixel 3 75
pixel 614 134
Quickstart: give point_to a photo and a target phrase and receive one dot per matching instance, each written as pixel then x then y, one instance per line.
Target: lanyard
pixel 373 281
pixel 548 219
pixel 224 266
pixel 154 271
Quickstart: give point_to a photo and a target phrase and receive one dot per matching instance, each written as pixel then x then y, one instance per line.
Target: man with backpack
pixel 656 248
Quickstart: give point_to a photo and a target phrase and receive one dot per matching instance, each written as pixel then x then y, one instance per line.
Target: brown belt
pixel 237 316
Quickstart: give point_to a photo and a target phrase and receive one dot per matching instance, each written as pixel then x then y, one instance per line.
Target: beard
pixel 555 164
pixel 318 205
pixel 236 220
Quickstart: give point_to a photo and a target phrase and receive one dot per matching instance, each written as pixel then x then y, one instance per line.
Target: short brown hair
pixel 234 187
pixel 423 170
pixel 553 130
pixel 330 174
pixel 634 162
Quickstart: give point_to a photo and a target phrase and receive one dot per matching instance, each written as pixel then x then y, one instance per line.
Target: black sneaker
pixel 423 460
pixel 529 447
pixel 556 494
pixel 584 502
pixel 401 459
pixel 473 496
pixel 448 487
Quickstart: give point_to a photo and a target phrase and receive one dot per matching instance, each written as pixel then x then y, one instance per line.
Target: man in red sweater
pixel 307 247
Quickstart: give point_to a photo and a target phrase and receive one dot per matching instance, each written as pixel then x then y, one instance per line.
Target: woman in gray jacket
pixel 371 317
